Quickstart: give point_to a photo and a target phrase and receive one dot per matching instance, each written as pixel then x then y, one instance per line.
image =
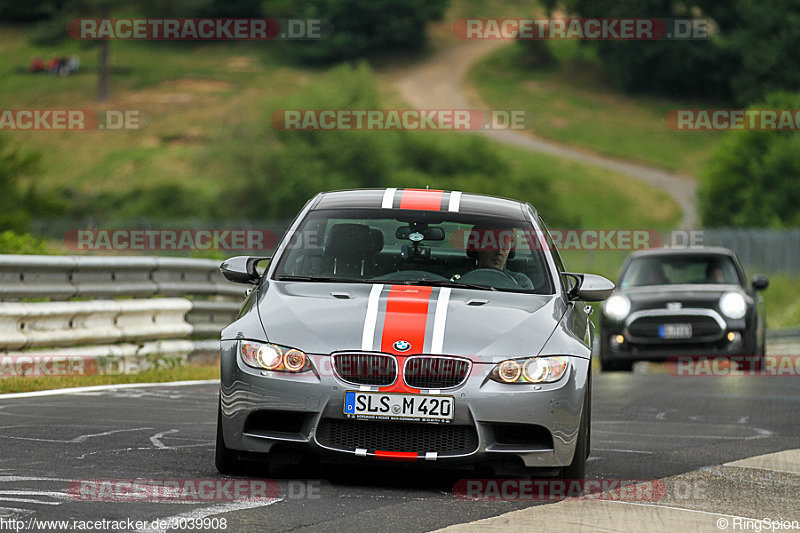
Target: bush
pixel 15 243
pixel 753 177
pixel 20 203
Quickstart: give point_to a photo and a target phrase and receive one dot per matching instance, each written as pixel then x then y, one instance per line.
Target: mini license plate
pixel 393 406
pixel 675 331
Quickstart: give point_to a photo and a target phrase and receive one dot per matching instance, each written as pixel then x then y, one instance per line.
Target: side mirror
pixel 242 269
pixel 760 282
pixel 589 287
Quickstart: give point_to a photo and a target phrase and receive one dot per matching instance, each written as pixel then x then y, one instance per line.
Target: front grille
pixel 366 368
pixel 435 372
pixel 445 439
pixel 646 327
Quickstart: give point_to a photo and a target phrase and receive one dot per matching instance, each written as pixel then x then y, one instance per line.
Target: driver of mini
pixel 491 248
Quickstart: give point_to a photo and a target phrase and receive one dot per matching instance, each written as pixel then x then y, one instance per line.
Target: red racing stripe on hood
pixel 405 320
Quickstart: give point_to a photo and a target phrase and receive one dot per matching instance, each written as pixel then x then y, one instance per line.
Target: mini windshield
pixel 425 248
pixel 680 270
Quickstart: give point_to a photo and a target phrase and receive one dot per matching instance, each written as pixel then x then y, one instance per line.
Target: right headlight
pixel 617 307
pixel 732 305
pixel 268 356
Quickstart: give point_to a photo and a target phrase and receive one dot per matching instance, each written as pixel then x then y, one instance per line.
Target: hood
pixel 405 320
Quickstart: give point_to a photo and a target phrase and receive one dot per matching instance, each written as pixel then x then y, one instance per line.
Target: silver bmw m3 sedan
pixel 411 325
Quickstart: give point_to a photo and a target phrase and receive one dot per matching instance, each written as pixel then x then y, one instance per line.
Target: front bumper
pixel 303 404
pixel 649 348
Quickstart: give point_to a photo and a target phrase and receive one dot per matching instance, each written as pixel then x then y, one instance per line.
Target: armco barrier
pixel 113 306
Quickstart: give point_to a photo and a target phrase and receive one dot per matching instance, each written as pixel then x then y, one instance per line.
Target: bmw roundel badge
pixel 402 346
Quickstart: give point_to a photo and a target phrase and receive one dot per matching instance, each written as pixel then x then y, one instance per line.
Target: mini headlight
pixel 530 370
pixel 273 357
pixel 732 305
pixel 617 307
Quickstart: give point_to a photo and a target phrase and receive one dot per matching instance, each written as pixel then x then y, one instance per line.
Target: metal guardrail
pixel 113 306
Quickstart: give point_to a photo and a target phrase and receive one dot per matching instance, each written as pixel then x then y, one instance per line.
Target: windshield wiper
pixel 422 281
pixel 321 278
pixel 444 283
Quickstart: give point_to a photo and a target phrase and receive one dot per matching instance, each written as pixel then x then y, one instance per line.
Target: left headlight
pixel 617 307
pixel 530 370
pixel 273 357
pixel 732 305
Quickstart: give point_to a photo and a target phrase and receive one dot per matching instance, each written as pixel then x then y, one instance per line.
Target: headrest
pixel 376 238
pixel 350 241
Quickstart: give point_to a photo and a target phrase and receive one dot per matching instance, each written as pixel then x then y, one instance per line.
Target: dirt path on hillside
pixel 439 82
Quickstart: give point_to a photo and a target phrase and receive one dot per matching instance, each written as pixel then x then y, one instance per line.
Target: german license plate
pixel 393 406
pixel 675 331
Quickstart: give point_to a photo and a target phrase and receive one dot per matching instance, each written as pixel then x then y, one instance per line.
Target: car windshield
pixel 425 248
pixel 680 270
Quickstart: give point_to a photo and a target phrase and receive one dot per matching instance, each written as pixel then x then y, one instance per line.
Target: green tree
pixel 674 67
pixel 363 28
pixel 753 52
pixel 765 39
pixel 753 177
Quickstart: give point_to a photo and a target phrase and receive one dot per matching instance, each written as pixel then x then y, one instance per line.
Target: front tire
pixel 577 468
pixel 608 364
pixel 225 459
pixel 754 363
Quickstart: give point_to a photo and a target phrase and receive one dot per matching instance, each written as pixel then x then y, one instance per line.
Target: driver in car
pixel 492 247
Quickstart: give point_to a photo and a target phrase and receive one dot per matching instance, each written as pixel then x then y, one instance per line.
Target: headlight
pixel 732 305
pixel 273 357
pixel 530 370
pixel 617 307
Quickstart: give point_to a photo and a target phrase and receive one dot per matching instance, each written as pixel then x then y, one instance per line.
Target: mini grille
pixel 445 439
pixel 702 326
pixel 435 372
pixel 366 369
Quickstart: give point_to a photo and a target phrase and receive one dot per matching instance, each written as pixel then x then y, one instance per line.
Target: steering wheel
pixel 485 275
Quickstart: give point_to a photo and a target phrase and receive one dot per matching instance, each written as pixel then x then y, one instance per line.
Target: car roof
pixel 424 199
pixel 694 250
